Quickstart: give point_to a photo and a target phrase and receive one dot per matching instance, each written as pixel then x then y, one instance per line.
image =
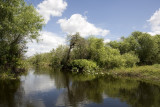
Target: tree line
pixel 81 54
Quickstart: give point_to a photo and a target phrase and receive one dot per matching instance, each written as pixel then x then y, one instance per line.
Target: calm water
pixel 48 88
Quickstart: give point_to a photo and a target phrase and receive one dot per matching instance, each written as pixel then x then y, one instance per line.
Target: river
pixel 49 88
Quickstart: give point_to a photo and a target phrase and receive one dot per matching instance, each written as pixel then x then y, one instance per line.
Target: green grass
pixel 145 73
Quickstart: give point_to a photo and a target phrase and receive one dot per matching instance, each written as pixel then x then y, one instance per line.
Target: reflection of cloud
pixel 62 99
pixel 105 96
pixel 37 83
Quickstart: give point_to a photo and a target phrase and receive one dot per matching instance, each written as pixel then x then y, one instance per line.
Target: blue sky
pixel 108 19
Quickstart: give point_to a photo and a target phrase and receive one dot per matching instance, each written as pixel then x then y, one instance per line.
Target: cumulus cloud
pixel 47 42
pixel 79 23
pixel 154 22
pixel 52 8
pixel 107 40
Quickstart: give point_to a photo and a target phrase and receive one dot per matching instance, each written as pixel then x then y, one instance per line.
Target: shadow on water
pixel 45 87
pixel 8 89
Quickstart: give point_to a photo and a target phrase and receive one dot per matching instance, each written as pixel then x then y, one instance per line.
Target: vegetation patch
pixel 149 73
pixel 83 65
pixel 6 75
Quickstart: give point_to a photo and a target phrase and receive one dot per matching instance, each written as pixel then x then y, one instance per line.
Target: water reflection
pixel 48 87
pixel 37 83
pixel 7 91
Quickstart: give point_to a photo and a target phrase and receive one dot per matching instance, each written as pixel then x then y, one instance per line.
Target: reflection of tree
pixel 136 94
pixel 61 79
pixel 83 90
pixel 143 96
pixel 79 91
pixel 7 92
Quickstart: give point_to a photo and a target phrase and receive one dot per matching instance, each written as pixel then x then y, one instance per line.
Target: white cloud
pixel 50 8
pixel 107 40
pixel 155 23
pixel 78 23
pixel 47 42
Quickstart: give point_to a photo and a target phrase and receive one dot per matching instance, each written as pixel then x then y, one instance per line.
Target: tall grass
pixel 148 72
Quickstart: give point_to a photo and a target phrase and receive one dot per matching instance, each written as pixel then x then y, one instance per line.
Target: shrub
pixel 83 65
pixel 130 59
pixel 114 62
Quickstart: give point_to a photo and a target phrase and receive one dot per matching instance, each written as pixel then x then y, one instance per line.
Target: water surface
pixel 49 88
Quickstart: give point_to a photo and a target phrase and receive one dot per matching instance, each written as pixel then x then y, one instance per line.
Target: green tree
pixel 148 49
pixel 74 40
pixel 130 59
pixel 105 56
pixel 59 58
pixel 157 41
pixel 19 23
pixel 80 51
pixel 145 46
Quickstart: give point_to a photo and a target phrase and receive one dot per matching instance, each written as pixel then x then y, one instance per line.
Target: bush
pixel 130 59
pixel 114 62
pixel 83 65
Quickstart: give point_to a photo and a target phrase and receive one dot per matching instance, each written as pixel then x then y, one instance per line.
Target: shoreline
pixel 149 74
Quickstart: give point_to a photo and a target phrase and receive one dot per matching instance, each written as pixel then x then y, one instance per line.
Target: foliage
pixel 147 72
pixel 113 59
pixel 157 41
pixel 145 46
pixel 83 65
pixel 105 56
pixel 59 58
pixel 41 59
pixel 96 49
pixel 130 59
pixel 148 49
pixel 80 51
pixel 19 23
pixel 139 48
pixel 6 75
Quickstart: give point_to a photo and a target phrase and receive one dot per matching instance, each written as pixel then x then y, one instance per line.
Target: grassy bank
pixel 144 73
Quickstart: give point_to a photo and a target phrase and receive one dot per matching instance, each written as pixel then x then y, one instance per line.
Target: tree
pixel 157 41
pixel 74 40
pixel 80 51
pixel 59 58
pixel 145 46
pixel 148 49
pixel 104 56
pixel 19 23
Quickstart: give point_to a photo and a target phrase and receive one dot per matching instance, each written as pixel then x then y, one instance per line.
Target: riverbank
pixel 6 75
pixel 145 73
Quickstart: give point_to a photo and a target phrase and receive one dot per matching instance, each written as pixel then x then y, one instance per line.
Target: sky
pixel 108 19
